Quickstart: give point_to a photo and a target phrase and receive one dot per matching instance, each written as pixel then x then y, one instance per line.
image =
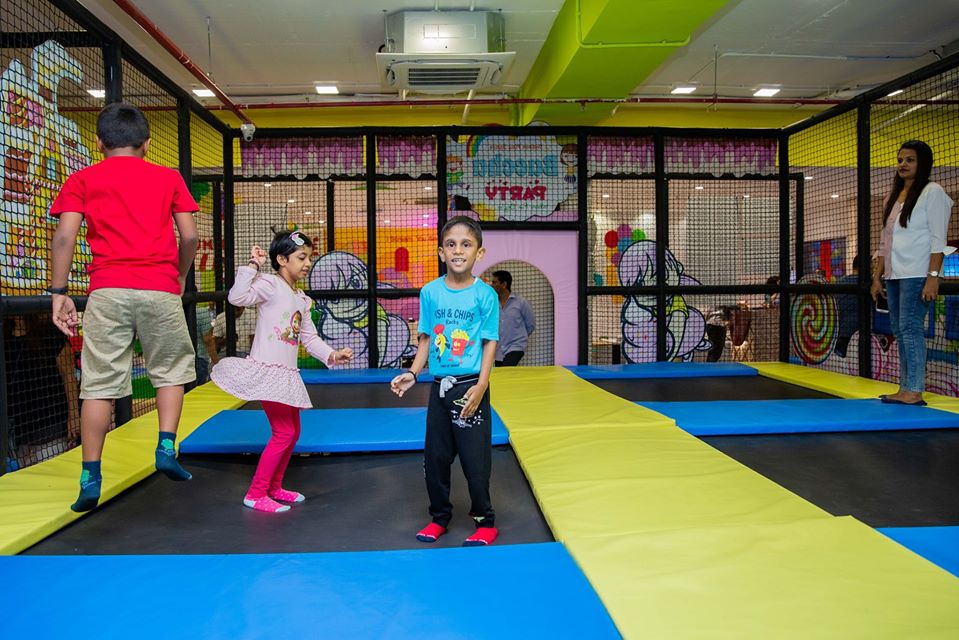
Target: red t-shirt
pixel 128 204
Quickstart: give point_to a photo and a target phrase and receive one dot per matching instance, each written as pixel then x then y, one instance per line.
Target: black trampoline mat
pixel 354 503
pixel 882 478
pixel 362 396
pixel 706 388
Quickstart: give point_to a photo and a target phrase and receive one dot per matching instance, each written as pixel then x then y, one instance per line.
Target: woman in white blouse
pixel 915 221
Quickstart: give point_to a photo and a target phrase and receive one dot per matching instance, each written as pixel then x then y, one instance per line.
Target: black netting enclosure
pixel 631 245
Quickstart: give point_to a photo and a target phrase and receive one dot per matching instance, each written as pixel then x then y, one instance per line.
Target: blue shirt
pixel 516 322
pixel 457 322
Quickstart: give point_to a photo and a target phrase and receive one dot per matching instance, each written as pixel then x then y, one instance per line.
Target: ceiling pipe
pixel 141 19
pixel 447 102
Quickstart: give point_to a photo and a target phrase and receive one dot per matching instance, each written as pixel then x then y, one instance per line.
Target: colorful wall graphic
pixel 513 178
pixel 344 322
pixel 825 257
pixel 685 325
pixel 39 149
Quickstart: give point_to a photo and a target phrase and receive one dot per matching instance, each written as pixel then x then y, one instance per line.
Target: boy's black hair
pixel 286 243
pixel 469 223
pixel 505 277
pixel 122 125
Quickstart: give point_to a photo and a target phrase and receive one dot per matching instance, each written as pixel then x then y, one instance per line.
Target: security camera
pixel 248 129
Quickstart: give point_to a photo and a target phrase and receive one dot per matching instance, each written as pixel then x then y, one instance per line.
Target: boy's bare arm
pixel 64 242
pixel 189 241
pixel 422 353
pixel 474 395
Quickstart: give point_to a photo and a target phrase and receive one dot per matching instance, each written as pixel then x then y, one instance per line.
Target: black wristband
pixel 254 264
pixel 413 372
pixel 62 291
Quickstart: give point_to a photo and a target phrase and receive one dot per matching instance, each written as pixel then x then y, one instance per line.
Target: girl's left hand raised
pixel 258 255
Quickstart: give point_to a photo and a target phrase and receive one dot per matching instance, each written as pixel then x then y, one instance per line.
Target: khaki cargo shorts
pixel 113 318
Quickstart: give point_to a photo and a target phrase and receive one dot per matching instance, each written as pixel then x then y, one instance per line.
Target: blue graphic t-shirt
pixel 457 322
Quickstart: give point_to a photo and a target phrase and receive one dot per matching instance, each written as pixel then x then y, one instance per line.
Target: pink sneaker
pixel 265 504
pixel 482 537
pixel 287 496
pixel 430 533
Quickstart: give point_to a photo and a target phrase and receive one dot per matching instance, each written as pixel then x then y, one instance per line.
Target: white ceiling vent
pixel 443 51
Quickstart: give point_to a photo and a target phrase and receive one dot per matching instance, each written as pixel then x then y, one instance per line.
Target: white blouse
pixel 906 251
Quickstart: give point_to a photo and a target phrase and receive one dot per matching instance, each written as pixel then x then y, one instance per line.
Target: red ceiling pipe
pixel 131 10
pixel 444 102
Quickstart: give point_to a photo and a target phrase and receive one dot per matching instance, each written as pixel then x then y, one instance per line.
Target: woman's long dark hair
pixel 923 170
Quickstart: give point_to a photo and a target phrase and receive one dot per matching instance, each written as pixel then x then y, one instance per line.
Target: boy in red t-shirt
pixel 136 279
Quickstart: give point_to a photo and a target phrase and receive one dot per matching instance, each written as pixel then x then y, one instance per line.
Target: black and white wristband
pixel 60 291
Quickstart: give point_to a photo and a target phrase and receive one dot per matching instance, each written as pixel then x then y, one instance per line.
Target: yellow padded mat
pixel 35 502
pixel 843 385
pixel 620 480
pixel 820 578
pixel 529 398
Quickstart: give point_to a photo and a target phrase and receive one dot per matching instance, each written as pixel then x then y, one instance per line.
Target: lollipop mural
pixel 344 322
pixel 814 323
pixel 685 325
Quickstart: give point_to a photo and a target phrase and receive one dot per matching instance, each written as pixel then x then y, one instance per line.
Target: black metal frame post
pixel 218 236
pixel 800 226
pixel 112 72
pixel 863 229
pixel 330 215
pixel 662 240
pixel 784 320
pixel 229 241
pixel 372 342
pixel 582 206
pixel 4 416
pixel 186 170
pixel 441 197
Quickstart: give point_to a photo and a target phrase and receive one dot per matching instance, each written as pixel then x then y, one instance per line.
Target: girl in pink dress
pixel 269 373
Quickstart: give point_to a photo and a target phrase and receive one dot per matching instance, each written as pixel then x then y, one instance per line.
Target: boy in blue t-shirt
pixel 458 330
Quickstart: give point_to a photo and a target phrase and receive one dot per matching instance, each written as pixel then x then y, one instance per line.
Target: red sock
pixel 430 533
pixel 482 537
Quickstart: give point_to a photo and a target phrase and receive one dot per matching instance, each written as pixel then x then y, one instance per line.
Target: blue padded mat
pixel 324 430
pixel 662 370
pixel 742 417
pixel 354 376
pixel 939 545
pixel 533 591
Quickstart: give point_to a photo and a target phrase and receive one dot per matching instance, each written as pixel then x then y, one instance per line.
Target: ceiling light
pixel 746 195
pixel 683 90
pixel 386 222
pixel 767 92
pixel 203 93
pixel 699 187
pixel 309 213
pixel 426 215
pixel 427 188
pixel 808 178
pixel 895 93
pixel 425 225
pixel 605 195
pixel 100 94
pixel 835 195
pixel 267 184
pixel 290 201
pixel 322 221
pixel 326 89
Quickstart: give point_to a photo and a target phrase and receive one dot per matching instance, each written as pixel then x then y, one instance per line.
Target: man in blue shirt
pixel 516 321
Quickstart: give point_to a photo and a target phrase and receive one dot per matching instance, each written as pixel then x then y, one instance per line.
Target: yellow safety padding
pixel 35 502
pixel 838 384
pixel 554 398
pixel 832 578
pixel 843 385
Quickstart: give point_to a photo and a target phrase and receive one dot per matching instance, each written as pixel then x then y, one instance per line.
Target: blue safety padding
pixel 745 417
pixel 323 430
pixel 354 376
pixel 518 591
pixel 662 370
pixel 939 545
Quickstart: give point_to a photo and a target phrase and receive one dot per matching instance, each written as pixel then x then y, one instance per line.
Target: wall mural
pixel 344 322
pixel 685 325
pixel 39 149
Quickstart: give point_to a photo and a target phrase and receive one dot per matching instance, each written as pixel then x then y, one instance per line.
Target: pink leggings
pixel 285 424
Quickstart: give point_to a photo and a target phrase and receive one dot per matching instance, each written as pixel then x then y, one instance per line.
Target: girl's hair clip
pixel 297 239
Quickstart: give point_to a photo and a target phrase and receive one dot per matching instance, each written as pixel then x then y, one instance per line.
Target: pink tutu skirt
pixel 249 379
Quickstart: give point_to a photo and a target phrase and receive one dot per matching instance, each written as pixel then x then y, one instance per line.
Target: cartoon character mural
pixel 343 322
pixel 39 149
pixel 685 325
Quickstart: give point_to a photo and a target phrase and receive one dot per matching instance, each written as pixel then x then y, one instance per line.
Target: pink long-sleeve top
pixel 283 318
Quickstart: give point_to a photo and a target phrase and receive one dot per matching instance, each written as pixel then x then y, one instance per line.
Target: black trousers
pixel 511 359
pixel 716 335
pixel 448 435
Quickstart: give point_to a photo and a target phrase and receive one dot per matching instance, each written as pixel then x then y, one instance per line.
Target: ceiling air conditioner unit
pixel 443 51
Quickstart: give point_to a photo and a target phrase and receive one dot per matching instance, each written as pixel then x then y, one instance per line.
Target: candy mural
pixel 39 148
